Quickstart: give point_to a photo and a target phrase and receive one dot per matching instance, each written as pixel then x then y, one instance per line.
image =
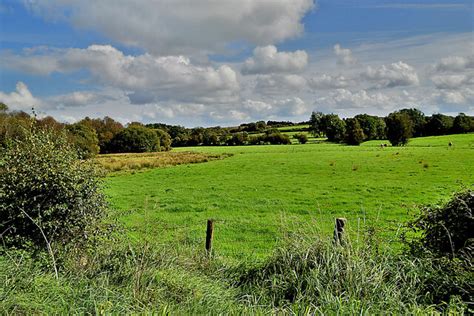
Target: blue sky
pixel 208 63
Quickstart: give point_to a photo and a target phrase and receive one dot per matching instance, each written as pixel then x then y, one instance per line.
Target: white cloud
pixel 326 81
pixel 344 55
pixel 268 60
pixel 393 75
pixel 146 77
pixel 455 63
pixel 180 26
pixel 20 99
pixel 452 81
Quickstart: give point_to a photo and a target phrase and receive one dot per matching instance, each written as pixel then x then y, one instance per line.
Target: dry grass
pixel 139 161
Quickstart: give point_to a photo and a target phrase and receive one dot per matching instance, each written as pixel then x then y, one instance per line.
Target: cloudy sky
pixel 223 62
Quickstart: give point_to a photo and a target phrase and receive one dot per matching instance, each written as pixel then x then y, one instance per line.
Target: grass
pixel 127 162
pixel 263 193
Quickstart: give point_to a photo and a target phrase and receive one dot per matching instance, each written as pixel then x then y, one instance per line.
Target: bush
pixel 447 230
pixel 444 236
pixel 46 192
pixel 84 139
pixel 302 138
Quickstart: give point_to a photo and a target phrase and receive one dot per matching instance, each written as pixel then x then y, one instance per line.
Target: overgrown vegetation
pixel 47 195
pixel 127 162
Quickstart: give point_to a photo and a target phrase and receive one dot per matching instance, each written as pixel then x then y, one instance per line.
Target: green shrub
pixel 46 192
pixel 302 138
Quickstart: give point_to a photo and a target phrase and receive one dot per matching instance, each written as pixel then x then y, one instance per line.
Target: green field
pixel 263 193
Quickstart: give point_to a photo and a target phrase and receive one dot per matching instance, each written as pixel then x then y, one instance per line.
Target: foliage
pixel 418 120
pixel 46 192
pixel 165 139
pixel 448 230
pixel 439 124
pixel 105 128
pixel 84 138
pixel 302 138
pixel 315 123
pixel 463 124
pixel 354 133
pixel 399 128
pixel 135 139
pixel 372 126
pixel 333 127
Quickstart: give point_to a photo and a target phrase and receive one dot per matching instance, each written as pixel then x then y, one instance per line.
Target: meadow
pixel 261 194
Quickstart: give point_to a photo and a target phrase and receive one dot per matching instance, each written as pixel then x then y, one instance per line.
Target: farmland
pixel 263 193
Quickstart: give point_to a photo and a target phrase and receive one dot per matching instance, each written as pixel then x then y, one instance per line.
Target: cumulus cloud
pixel 452 81
pixel 181 26
pixel 455 63
pixel 20 99
pixel 289 107
pixel 393 75
pixel 326 81
pixel 344 56
pixel 146 77
pixel 268 60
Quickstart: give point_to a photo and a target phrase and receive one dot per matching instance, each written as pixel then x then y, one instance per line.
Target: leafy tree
pixel 84 139
pixel 3 107
pixel 418 120
pixel 439 124
pixel 135 139
pixel 463 124
pixel 399 128
pixel 165 139
pixel 372 126
pixel 301 137
pixel 315 121
pixel 333 127
pixel 47 194
pixel 354 133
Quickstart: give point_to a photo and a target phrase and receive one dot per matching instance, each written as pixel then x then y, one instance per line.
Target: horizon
pixel 229 63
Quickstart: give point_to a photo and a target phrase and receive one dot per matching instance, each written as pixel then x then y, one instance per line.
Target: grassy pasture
pixel 262 193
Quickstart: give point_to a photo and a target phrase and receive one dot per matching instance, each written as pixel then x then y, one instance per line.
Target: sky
pixel 225 62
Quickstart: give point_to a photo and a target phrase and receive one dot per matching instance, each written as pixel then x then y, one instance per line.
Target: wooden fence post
pixel 339 230
pixel 209 235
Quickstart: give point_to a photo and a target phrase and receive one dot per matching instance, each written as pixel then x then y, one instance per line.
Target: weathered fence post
pixel 209 235
pixel 339 230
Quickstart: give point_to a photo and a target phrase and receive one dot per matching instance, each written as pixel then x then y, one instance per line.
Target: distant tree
pixel 84 138
pixel 399 128
pixel 238 139
pixel 439 124
pixel 164 138
pixel 354 133
pixel 105 128
pixel 135 139
pixel 261 126
pixel 277 138
pixel 372 126
pixel 463 124
pixel 333 127
pixel 50 123
pixel 315 126
pixel 418 120
pixel 301 137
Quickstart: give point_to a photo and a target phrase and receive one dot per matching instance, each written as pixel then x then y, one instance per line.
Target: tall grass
pixel 303 276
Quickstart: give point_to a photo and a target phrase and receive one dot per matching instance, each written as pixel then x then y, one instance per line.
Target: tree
pixel 135 139
pixel 354 133
pixel 84 138
pixel 302 138
pixel 372 126
pixel 418 120
pixel 333 127
pixel 463 124
pixel 439 124
pixel 399 128
pixel 315 126
pixel 165 139
pixel 47 193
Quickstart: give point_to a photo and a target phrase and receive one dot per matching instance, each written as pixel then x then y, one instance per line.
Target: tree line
pixel 397 127
pixel 105 135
